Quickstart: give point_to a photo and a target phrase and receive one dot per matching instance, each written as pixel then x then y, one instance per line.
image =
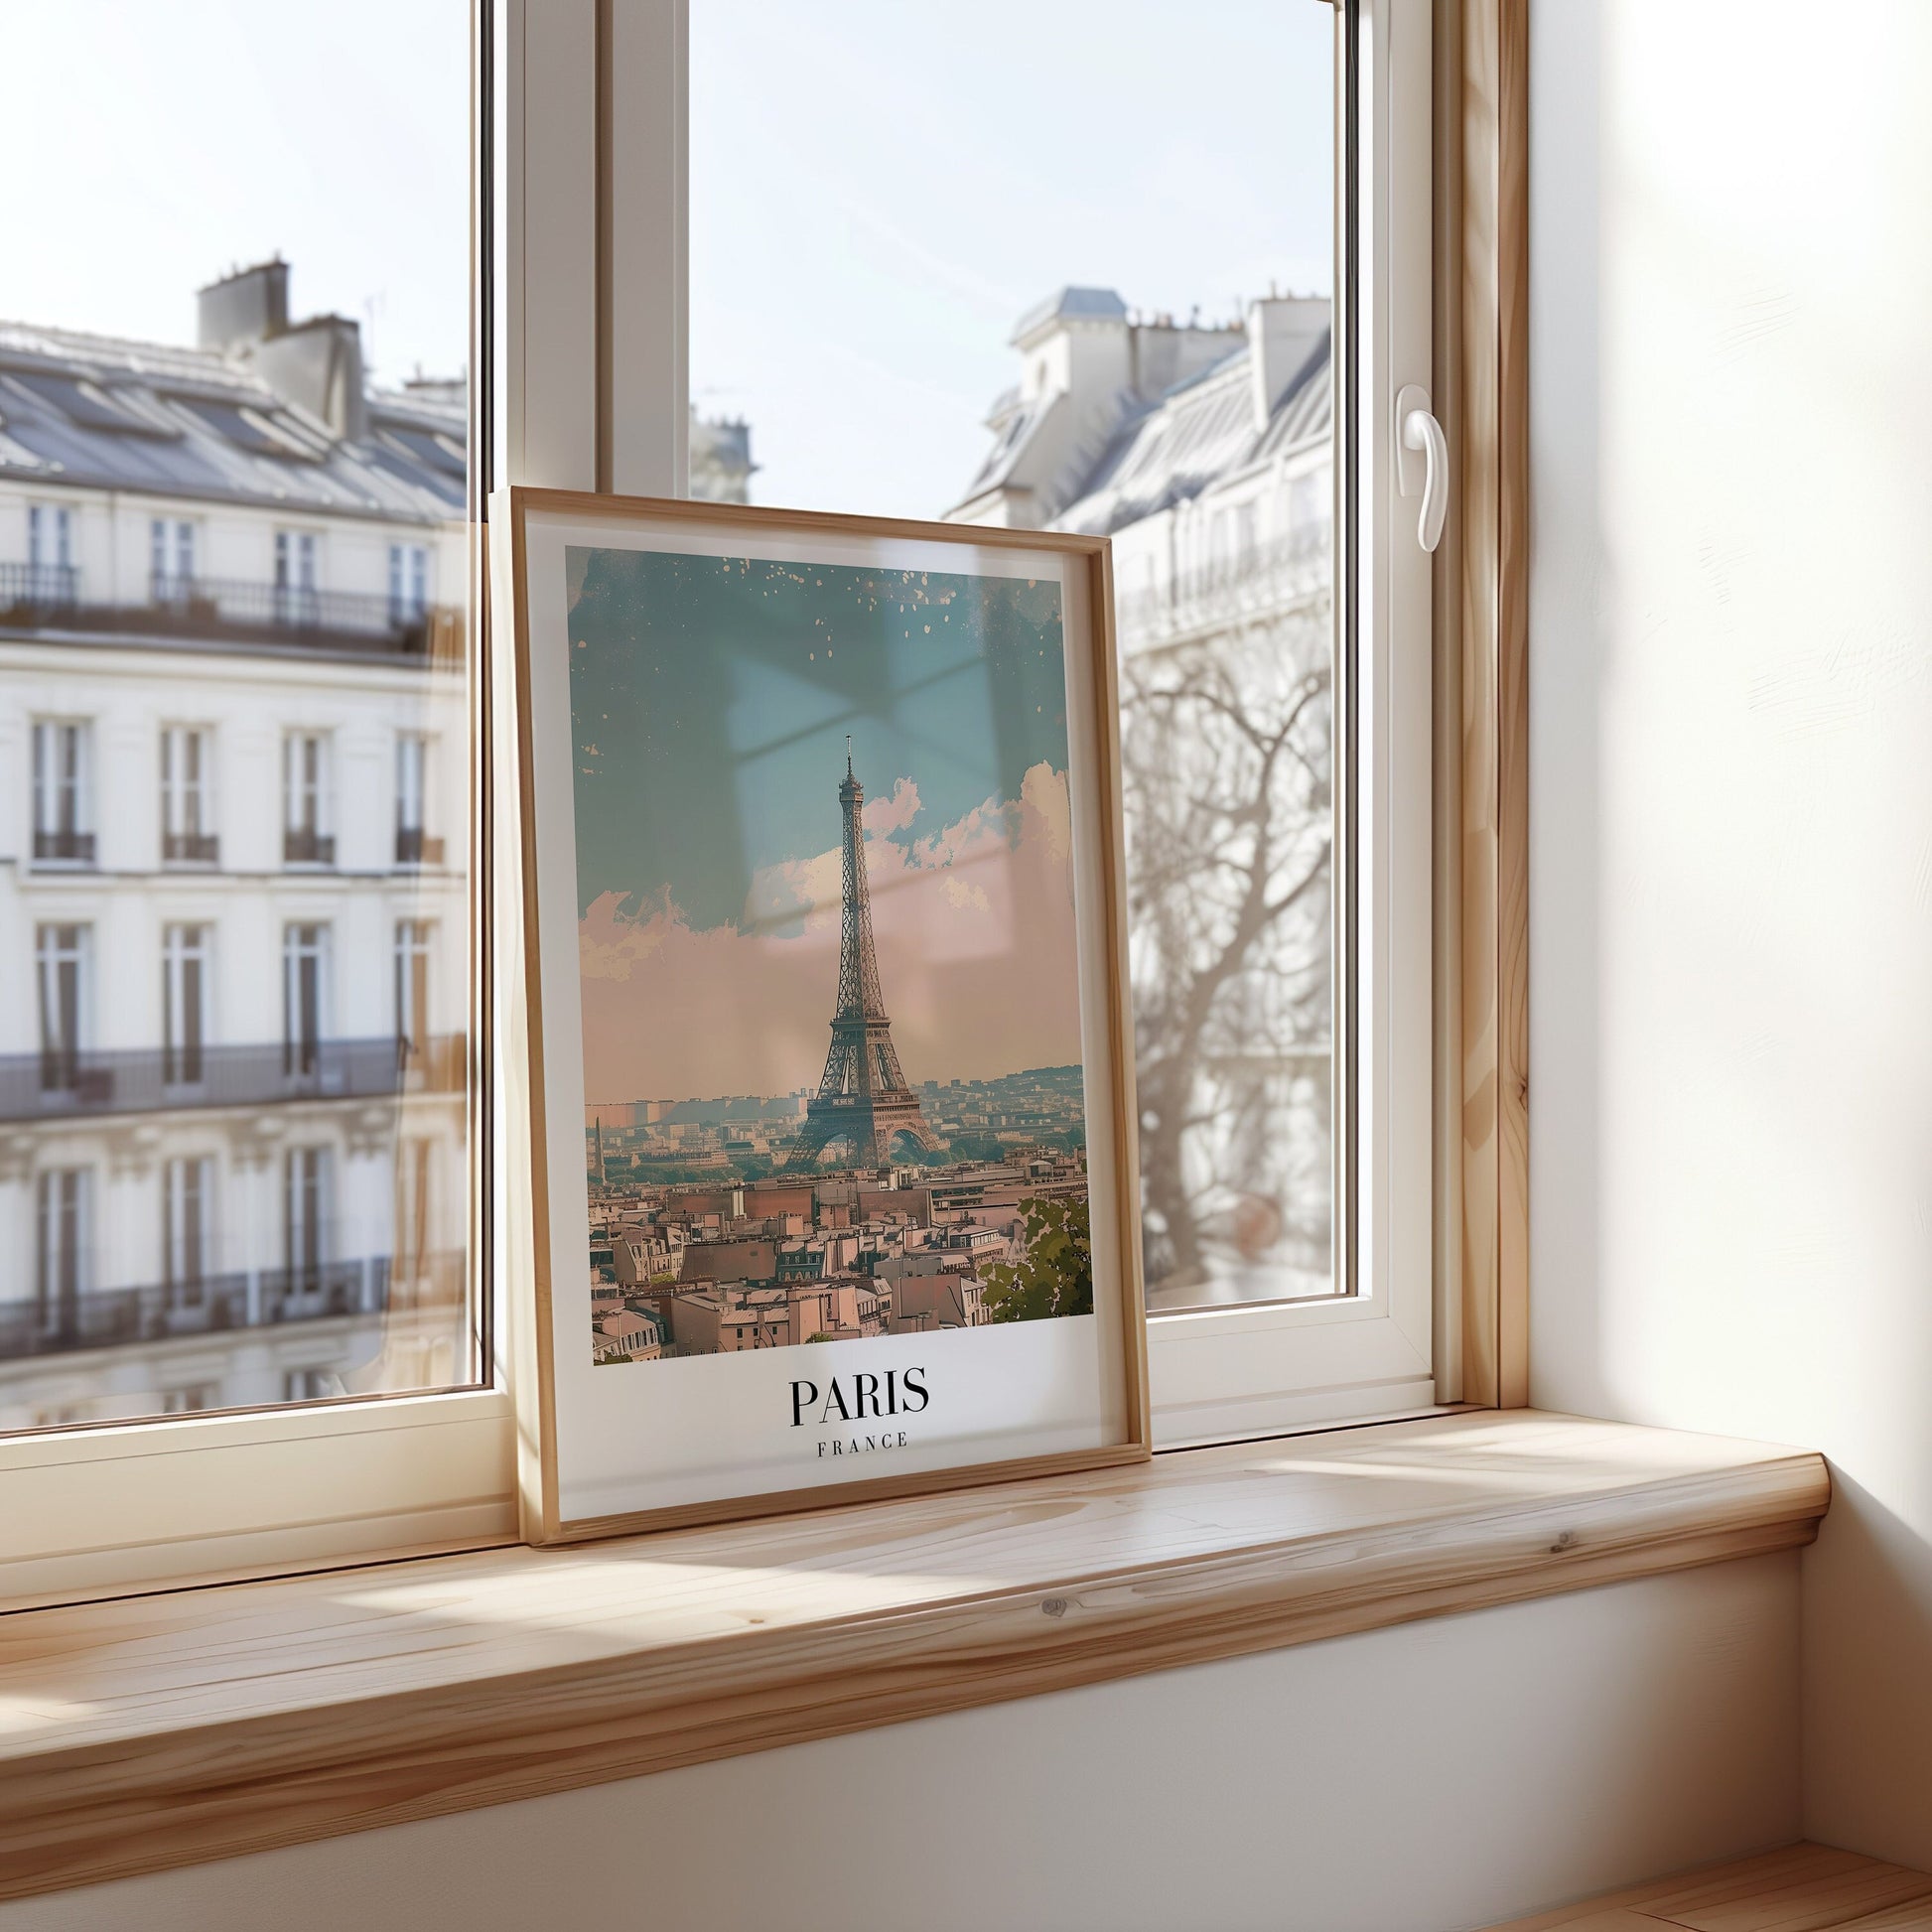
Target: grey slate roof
pixel 102 412
pixel 1200 430
pixel 1086 305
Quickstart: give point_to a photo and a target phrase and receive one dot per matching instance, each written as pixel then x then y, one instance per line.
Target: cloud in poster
pixel 973 926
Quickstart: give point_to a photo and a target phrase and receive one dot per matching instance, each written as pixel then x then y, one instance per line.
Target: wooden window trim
pixel 204 1724
pixel 1483 691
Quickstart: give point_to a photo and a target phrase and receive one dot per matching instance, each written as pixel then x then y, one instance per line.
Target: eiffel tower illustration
pixel 862 1095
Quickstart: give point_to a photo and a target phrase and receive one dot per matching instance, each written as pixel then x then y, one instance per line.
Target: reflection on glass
pixel 234 691
pixel 1191 423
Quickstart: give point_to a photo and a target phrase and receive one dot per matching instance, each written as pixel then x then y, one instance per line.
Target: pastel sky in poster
pixel 711 699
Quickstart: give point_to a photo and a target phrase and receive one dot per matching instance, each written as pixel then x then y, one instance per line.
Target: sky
pixel 879 191
pixel 175 141
pixel 711 699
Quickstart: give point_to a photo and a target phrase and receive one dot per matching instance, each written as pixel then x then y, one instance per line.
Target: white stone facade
pixel 234 832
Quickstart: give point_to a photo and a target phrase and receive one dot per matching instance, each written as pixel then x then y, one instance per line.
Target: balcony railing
pixel 154 1079
pixel 228 1303
pixel 414 847
pixel 301 846
pixel 233 611
pixel 190 848
pixel 64 848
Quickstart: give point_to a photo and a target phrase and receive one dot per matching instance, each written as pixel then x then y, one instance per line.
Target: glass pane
pixel 232 1096
pixel 1080 279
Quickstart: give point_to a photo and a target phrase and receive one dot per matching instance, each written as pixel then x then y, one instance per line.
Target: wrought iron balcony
pixel 303 845
pixel 228 1303
pixel 152 1079
pixel 190 848
pixel 233 611
pixel 68 848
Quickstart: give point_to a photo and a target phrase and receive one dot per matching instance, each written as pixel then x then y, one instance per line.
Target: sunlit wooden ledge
pixel 200 1723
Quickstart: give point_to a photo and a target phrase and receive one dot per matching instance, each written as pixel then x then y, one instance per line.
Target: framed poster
pixel 832 1144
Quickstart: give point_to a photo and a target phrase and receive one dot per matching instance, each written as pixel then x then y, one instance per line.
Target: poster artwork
pixel 830 993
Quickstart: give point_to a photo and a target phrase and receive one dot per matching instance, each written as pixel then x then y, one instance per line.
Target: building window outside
pixel 412 990
pixel 1309 506
pixel 63 1206
pixel 307 1177
pixel 296 601
pixel 411 1244
pixel 326 457
pixel 414 847
pixel 63 771
pixel 171 559
pixel 61 960
pixel 408 582
pixel 50 554
pixel 184 1003
pixel 306 837
pixel 310 1385
pixel 187 1213
pixel 188 835
pixel 305 966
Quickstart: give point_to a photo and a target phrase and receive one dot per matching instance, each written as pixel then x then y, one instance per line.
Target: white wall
pixel 1731 789
pixel 1442 1775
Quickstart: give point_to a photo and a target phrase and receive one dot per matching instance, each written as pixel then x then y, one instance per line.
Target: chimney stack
pixel 244 308
pixel 316 364
pixel 1283 332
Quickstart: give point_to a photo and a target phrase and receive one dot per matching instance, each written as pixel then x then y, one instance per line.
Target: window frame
pixel 332 1479
pixel 1391 1346
pixel 581 262
pixel 1378 1348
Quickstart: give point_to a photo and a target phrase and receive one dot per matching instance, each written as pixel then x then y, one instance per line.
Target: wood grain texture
pixel 203 1724
pixel 1492 407
pixel 1801 1888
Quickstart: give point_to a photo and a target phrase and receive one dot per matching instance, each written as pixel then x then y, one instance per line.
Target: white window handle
pixel 1420 434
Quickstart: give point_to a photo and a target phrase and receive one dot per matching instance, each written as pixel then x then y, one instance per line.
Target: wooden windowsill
pixel 200 1723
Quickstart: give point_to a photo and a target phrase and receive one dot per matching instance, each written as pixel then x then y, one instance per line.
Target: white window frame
pixel 306 942
pixel 50 781
pixel 308 796
pixel 588 389
pixel 1253 1369
pixel 187 798
pixel 50 529
pixel 180 1038
pixel 413 942
pixel 343 1480
pixel 187 1177
pixel 412 790
pixel 50 955
pixel 48 1181
pixel 173 542
pixel 408 582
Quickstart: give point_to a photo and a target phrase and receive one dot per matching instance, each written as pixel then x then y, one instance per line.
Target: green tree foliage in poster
pixel 1055 1276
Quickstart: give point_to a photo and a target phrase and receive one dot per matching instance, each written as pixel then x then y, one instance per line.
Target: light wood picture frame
pixel 701 854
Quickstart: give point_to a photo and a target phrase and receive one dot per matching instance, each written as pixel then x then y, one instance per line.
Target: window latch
pixel 1422 462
